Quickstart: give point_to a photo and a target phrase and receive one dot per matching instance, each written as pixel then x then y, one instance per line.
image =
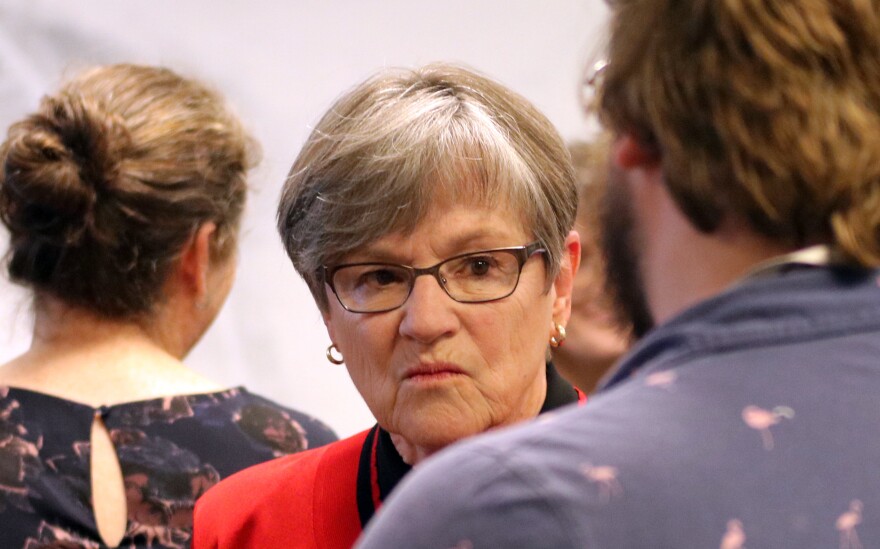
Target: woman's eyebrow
pixel 468 240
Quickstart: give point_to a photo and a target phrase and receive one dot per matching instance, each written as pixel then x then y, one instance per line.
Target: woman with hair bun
pixel 122 196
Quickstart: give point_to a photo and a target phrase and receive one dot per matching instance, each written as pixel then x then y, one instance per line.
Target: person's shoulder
pixel 275 478
pixel 260 503
pixel 264 483
pixel 316 432
pixel 500 498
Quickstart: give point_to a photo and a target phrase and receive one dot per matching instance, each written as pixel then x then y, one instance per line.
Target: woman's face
pixel 434 370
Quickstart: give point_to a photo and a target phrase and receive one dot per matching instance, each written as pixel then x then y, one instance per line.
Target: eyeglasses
pixel 476 277
pixel 591 86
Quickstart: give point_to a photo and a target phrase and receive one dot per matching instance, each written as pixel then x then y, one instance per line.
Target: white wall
pixel 281 63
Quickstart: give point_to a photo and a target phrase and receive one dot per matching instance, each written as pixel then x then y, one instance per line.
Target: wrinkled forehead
pixel 445 233
pixel 447 226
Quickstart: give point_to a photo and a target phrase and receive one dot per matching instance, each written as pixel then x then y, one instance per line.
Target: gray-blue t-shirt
pixel 750 420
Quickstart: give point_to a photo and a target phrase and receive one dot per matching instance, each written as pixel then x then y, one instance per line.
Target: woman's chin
pixel 433 426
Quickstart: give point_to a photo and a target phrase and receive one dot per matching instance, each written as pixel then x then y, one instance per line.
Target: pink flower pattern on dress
pixel 760 419
pixel 162 478
pixel 54 537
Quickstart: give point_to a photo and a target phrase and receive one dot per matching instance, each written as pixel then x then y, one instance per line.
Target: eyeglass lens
pixel 481 276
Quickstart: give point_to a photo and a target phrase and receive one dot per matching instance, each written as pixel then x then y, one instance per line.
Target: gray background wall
pixel 281 64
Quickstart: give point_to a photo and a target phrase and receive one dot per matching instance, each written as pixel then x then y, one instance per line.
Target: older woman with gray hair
pixel 438 172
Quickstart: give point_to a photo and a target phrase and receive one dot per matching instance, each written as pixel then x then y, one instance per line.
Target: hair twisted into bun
pixel 105 183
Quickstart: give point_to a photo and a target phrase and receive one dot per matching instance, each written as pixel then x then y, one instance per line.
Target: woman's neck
pixel 412 454
pixel 81 356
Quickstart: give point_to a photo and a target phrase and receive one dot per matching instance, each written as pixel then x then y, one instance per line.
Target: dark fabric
pixel 559 392
pixel 750 420
pixel 366 475
pixel 390 466
pixel 170 450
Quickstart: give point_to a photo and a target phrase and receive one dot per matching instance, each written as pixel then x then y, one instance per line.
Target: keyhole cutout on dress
pixel 108 486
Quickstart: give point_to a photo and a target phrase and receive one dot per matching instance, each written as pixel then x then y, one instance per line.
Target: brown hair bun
pixel 103 185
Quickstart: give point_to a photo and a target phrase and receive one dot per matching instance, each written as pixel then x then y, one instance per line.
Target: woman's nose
pixel 429 313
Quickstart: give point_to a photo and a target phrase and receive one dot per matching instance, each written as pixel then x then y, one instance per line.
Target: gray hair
pixel 388 150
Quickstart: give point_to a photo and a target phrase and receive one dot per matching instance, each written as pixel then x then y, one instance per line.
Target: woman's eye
pixel 380 277
pixel 479 266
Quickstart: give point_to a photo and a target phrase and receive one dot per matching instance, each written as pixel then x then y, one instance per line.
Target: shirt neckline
pixel 10 389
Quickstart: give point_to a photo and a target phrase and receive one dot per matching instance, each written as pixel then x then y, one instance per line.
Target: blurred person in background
pixel 596 335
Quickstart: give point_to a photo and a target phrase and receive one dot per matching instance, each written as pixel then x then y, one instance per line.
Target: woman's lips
pixel 432 372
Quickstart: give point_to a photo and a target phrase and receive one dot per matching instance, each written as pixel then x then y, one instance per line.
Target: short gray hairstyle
pixel 392 147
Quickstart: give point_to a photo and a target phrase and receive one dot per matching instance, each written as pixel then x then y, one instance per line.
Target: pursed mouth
pixel 435 370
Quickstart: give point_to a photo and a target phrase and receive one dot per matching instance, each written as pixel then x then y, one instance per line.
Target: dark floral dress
pixel 171 450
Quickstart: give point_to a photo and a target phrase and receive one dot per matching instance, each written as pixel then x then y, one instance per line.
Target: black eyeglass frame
pixel 522 254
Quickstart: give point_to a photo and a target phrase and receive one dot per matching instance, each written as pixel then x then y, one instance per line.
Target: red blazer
pixel 304 500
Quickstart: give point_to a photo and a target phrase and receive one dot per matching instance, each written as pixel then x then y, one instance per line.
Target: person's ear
pixel 628 152
pixel 564 282
pixel 326 314
pixel 195 261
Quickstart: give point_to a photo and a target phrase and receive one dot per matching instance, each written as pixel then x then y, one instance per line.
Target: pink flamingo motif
pixel 153 533
pixel 605 478
pixel 663 380
pixel 174 408
pixel 735 536
pixel 846 525
pixel 55 536
pixel 6 412
pixel 761 420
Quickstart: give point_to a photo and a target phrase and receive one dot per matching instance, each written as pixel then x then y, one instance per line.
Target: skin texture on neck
pixel 80 356
pixel 683 266
pixel 680 265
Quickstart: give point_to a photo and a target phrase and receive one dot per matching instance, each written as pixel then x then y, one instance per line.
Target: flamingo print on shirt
pixel 735 536
pixel 605 478
pixel 663 380
pixel 761 420
pixel 846 525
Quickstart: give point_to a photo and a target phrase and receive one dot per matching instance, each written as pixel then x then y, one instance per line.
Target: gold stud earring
pixel 557 339
pixel 332 351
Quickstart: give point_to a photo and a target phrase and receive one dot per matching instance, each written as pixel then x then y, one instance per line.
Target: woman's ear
pixel 195 261
pixel 564 282
pixel 326 314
